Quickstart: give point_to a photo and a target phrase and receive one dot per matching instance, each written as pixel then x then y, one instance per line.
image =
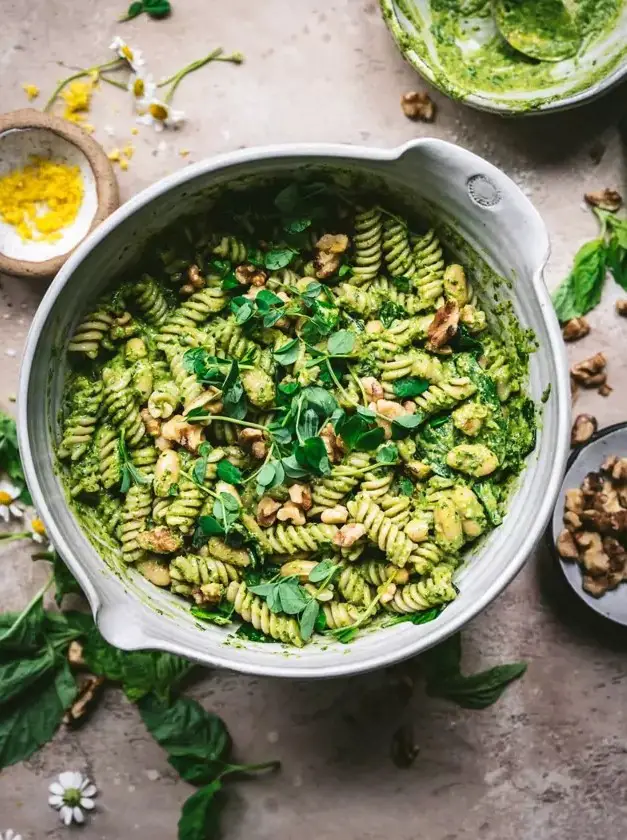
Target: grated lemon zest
pixel 41 199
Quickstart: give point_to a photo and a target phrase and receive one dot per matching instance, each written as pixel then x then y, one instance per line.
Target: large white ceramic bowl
pixel 497 226
pixel 601 65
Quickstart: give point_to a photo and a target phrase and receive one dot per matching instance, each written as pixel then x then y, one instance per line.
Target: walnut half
pixel 418 106
pixel 443 327
pixel 584 427
pixel 575 329
pixel 590 372
pixel 606 199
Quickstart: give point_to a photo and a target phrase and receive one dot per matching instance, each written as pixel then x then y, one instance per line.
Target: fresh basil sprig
pixel 128 471
pixel 156 9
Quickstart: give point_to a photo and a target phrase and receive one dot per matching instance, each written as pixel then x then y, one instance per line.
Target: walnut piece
pixel 606 199
pixel 259 450
pixel 584 427
pixel 621 307
pixel 590 372
pixel 372 387
pixel 443 327
pixel 329 250
pixel 189 435
pixel 267 511
pixel 572 520
pixel 251 275
pixel 594 559
pixel 160 540
pixel 291 513
pixel 575 329
pixel 574 500
pixel 349 534
pixel 248 436
pixel 566 546
pixel 196 281
pixel 332 443
pixel 605 390
pixel 619 470
pixel 207 400
pixel 153 426
pixel 300 494
pixel 75 655
pixel 418 105
pixel 88 693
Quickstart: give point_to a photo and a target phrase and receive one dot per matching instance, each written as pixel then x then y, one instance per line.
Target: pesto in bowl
pixel 455 44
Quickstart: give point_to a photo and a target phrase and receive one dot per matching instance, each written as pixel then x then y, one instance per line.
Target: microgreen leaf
pixel 307 621
pixel 279 258
pixel 402 426
pixel 243 309
pixel 341 343
pixel 323 570
pixel 405 487
pixel 229 473
pixel 387 454
pixel 288 353
pixel 210 526
pixel 581 290
pixel 344 270
pixel 200 467
pixel 312 455
pixel 129 472
pixel 410 386
pixel 212 616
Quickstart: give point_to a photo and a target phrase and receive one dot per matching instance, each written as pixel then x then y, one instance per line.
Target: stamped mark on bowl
pixel 482 191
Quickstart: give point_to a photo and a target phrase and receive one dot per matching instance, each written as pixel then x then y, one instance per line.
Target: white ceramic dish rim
pixel 139 636
pixel 496 106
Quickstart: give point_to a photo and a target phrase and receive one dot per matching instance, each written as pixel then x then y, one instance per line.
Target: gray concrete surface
pixel 547 762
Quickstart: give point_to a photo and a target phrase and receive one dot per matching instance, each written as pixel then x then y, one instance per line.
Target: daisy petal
pixel 67 779
pixel 77 780
pixel 4 510
pixel 17 511
pixel 78 815
pixel 55 787
pixel 90 790
pixel 56 800
pixel 66 814
pixel 87 803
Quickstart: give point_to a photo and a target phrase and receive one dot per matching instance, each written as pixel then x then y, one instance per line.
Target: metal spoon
pixel 541 29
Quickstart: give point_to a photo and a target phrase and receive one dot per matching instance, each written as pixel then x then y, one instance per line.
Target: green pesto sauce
pixel 474 58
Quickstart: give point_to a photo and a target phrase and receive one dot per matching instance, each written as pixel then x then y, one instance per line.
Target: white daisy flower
pixel 71 795
pixel 160 115
pixel 143 89
pixel 133 56
pixel 9 834
pixel 9 494
pixel 39 534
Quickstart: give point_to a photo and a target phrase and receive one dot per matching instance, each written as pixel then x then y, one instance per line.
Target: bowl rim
pixel 108 198
pixel 143 638
pixel 486 103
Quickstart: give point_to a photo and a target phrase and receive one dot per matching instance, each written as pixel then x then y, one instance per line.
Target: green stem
pixel 357 381
pixel 177 78
pixel 113 82
pixel 249 768
pixel 201 486
pixel 80 75
pixel 257 471
pixel 347 396
pixel 365 615
pixel 18 535
pixel 245 423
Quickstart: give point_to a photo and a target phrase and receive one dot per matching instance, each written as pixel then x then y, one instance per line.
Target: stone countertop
pixel 548 760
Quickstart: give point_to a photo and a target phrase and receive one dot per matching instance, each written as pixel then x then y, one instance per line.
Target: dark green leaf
pixel 243 309
pixel 390 312
pixel 200 467
pixel 288 353
pixel 410 386
pixel 312 455
pixel 210 526
pixel 266 299
pixel 564 300
pixel 213 617
pixel 341 343
pixel 617 261
pixel 297 225
pixel 344 270
pixel 464 342
pixel 247 631
pixel 157 8
pixel 10 461
pixel 130 474
pixel 133 10
pixel 19 674
pixel 320 624
pixel 229 473
pixel 369 440
pixel 479 690
pixel 288 199
pixel 24 632
pixel 423 617
pixel 312 291
pixel 32 719
pixel 200 815
pixel 292 468
pixel 307 620
pixel 405 487
pixel 403 284
pixel 279 258
pixel 320 400
pixel 293 598
pixel 64 581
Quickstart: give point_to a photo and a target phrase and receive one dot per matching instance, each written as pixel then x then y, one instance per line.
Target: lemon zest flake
pixel 32 91
pixel 41 199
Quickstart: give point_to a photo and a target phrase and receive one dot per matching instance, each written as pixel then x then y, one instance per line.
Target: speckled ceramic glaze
pixel 600 66
pixel 26 134
pixel 442 182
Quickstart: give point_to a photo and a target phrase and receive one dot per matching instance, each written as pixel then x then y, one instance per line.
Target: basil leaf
pixel 288 353
pixel 464 342
pixel 341 343
pixel 229 473
pixel 32 719
pixel 64 581
pixel 19 674
pixel 320 400
pixel 292 468
pixel 279 258
pixel 410 386
pixel 307 620
pixel 133 10
pixel 617 260
pixel 423 617
pixel 199 472
pixel 588 274
pixel 157 8
pixel 288 199
pixel 370 440
pixel 200 814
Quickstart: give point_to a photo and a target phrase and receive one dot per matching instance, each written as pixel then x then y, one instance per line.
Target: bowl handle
pixel 467 187
pixel 121 626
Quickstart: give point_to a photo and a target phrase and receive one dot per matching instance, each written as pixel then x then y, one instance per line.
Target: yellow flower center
pixel 38 527
pixel 127 52
pixel 139 88
pixel 5 498
pixel 159 112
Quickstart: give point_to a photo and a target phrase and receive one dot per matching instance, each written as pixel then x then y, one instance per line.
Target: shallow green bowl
pixel 534 87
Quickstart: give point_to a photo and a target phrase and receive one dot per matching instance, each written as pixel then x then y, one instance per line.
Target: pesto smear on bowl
pixel 456 43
